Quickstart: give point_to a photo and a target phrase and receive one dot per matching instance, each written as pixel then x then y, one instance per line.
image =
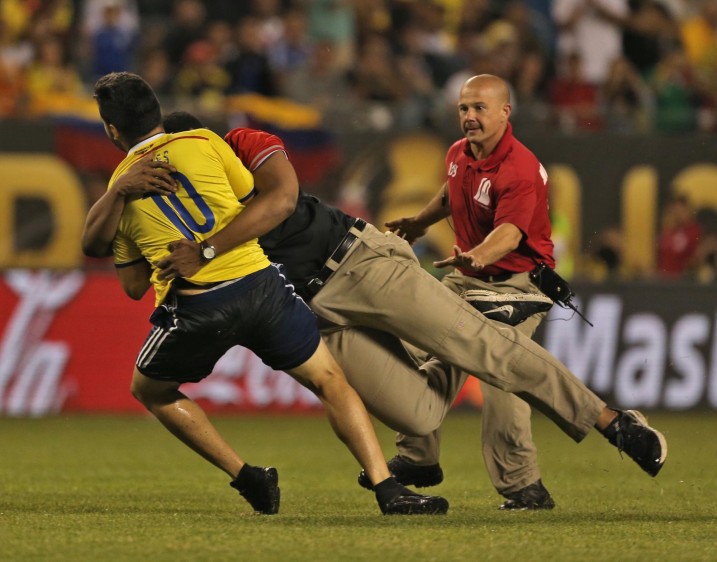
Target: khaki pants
pixel 379 295
pixel 508 450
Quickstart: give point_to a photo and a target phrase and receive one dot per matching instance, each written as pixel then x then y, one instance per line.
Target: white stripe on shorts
pixel 153 343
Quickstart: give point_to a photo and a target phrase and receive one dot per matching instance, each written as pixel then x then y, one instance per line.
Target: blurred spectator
pixel 292 50
pixel 676 99
pixel 374 76
pixel 321 85
pixel 530 84
pixel 112 42
pixel 187 25
pixel 626 99
pixel 503 41
pixel 52 82
pixel 333 21
pixel 394 90
pixel 202 77
pixel 574 100
pixel 416 68
pixel 699 34
pixel 535 32
pixel 429 17
pixel 156 69
pixel 475 15
pixel 651 33
pixel 14 57
pixel 220 35
pixel 593 29
pixel 249 70
pixel 678 238
pixel 268 14
pixel 55 17
pixel 374 16
pixel 93 16
pixel 604 259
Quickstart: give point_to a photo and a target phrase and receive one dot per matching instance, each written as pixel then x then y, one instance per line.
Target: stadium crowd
pixel 575 65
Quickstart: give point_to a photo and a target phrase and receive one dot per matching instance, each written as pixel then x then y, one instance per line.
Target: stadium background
pixel 67 333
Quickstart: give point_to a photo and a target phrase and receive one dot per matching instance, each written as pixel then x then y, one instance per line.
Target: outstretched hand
pixel 184 260
pixel 407 228
pixel 460 259
pixel 147 177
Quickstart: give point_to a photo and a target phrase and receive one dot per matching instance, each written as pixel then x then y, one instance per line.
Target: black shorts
pixel 260 312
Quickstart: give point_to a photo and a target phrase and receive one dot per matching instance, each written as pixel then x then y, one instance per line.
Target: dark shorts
pixel 260 312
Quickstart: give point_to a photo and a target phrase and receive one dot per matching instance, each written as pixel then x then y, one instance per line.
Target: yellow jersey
pixel 212 183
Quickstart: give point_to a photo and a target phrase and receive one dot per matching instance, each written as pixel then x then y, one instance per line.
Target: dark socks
pixel 389 489
pixel 245 478
pixel 611 431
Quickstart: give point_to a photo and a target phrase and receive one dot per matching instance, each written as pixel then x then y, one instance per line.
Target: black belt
pixel 315 285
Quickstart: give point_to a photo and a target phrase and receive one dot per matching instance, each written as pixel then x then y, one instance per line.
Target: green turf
pixel 121 488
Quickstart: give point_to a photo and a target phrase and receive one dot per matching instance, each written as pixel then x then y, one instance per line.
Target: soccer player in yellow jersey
pixel 238 298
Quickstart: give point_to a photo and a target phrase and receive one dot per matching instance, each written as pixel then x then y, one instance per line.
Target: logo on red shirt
pixel 482 196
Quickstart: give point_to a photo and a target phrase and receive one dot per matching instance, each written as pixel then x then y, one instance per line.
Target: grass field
pixel 121 488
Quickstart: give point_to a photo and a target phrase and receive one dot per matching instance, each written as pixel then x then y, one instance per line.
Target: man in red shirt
pixel 496 194
pixel 678 240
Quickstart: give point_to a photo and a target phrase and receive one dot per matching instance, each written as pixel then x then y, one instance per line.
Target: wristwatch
pixel 207 251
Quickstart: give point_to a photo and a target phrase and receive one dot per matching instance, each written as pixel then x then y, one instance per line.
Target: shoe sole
pixel 533 507
pixel 434 506
pixel 661 438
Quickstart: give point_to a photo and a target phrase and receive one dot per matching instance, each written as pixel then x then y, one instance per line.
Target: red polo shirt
pixel 510 186
pixel 253 146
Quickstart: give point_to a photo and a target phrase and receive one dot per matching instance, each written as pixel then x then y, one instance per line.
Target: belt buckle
pixel 314 286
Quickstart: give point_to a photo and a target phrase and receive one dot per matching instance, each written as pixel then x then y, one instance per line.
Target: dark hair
pixel 179 121
pixel 126 101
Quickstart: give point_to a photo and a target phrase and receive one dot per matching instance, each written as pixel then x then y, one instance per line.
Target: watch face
pixel 209 252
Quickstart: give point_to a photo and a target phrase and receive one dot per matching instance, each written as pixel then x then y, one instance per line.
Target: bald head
pixel 489 85
pixel 484 110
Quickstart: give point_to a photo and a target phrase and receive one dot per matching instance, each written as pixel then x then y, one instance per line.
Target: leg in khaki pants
pixel 508 449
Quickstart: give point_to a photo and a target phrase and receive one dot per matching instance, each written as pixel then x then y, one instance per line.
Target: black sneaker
pixel 415 504
pixel 260 487
pixel 408 474
pixel 630 433
pixel 535 496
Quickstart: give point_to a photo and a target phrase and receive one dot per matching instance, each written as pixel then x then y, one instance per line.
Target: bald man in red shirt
pixel 496 193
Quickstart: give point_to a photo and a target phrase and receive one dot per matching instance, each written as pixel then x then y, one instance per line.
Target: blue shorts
pixel 260 312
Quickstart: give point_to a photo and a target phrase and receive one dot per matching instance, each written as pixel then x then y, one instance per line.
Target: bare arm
pixel 146 176
pixel 412 228
pixel 277 193
pixel 135 279
pixel 499 243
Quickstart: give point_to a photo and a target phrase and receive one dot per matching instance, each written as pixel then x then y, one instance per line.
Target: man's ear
pixel 113 132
